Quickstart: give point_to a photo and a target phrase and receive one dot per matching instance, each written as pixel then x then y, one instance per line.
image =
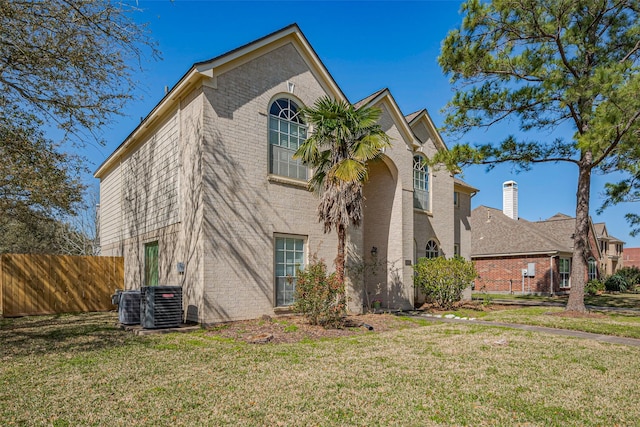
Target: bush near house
pixel 615 283
pixel 321 298
pixel 594 287
pixel 631 276
pixel 443 280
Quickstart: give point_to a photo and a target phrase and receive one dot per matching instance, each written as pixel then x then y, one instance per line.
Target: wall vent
pixel 161 307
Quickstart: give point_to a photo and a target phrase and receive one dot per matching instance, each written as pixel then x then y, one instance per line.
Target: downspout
pixel 551 275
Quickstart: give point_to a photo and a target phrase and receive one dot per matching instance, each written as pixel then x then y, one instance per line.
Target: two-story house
pixel 205 194
pixel 611 249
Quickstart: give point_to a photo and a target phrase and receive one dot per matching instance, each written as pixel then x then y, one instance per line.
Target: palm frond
pixel 349 170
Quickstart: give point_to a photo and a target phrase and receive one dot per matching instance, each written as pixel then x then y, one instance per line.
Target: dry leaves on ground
pixel 293 328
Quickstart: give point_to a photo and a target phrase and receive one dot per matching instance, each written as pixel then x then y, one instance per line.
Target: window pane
pixel 289 257
pixel 273 137
pixel 284 127
pixel 273 123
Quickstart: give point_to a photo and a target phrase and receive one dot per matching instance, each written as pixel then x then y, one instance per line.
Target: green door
pixel 151 264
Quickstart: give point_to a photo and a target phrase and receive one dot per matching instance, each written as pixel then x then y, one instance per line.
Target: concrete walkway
pixel 540 329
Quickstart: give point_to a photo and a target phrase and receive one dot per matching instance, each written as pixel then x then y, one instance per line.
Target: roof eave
pixel 518 254
pixel 193 76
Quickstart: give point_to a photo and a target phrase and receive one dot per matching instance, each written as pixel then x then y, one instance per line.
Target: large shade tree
pixel 66 68
pixel 626 189
pixel 342 140
pixel 543 64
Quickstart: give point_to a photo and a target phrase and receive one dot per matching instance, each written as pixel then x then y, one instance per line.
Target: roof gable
pixel 384 97
pixel 422 116
pixel 206 72
pixel 290 34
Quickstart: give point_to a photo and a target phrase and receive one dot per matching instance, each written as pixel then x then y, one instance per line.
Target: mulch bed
pixel 294 328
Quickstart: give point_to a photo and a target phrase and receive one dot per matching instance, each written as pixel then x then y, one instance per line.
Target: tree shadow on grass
pixel 60 334
pixel 615 300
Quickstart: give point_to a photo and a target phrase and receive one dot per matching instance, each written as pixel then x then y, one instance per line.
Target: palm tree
pixel 342 140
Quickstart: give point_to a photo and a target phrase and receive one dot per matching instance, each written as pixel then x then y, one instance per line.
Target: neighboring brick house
pixel 204 192
pixel 631 257
pixel 516 255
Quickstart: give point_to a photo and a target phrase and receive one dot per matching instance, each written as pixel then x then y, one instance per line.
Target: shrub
pixel 615 283
pixel 594 287
pixel 631 275
pixel 443 280
pixel 321 298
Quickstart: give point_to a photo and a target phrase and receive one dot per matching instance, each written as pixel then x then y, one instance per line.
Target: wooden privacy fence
pixel 49 284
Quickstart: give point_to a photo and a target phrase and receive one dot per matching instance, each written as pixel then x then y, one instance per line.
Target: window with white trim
pixel 564 271
pixel 286 132
pixel 432 249
pixel 420 184
pixel 289 255
pixel 456 199
pixel 593 269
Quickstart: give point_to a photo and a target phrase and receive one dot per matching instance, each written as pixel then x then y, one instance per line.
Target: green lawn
pixel 624 300
pixel 81 370
pixel 552 317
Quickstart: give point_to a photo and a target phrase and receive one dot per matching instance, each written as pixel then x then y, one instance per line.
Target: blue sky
pixel 366 46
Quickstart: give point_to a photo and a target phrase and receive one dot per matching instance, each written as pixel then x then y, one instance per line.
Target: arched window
pixel 432 249
pixel 593 269
pixel 286 132
pixel 420 184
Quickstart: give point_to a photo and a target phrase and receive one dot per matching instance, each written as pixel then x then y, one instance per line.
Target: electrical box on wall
pixel 531 269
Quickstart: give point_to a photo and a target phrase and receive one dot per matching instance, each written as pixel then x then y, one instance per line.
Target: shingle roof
pixel 559 216
pixel 600 228
pixel 366 100
pixel 558 229
pixel 413 115
pixel 460 182
pixel 494 233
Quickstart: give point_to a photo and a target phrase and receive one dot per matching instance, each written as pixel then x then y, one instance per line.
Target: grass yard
pixel 623 300
pixel 82 370
pixel 555 317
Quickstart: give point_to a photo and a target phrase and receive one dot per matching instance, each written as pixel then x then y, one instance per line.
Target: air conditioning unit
pixel 161 307
pixel 129 307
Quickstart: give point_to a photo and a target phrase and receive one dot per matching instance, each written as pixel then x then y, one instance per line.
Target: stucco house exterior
pixel 204 192
pixel 519 256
